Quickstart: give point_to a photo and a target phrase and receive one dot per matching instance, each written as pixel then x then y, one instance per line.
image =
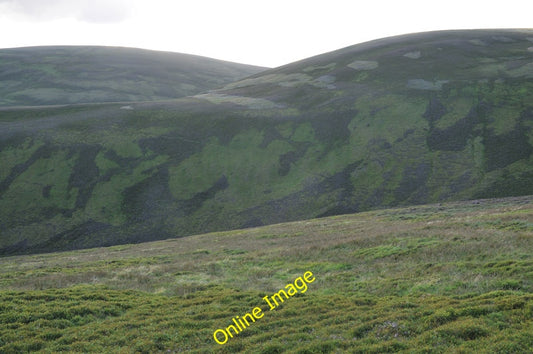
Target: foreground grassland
pixel 437 278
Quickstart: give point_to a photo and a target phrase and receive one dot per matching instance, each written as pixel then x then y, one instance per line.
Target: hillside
pixel 423 118
pixel 82 74
pixel 444 278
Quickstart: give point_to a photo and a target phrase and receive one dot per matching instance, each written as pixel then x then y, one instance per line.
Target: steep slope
pixel 414 119
pixel 82 74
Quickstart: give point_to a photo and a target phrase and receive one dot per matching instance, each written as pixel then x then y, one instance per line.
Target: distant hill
pixel 88 74
pixel 414 119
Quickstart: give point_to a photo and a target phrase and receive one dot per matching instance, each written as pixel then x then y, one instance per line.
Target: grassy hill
pixel 415 119
pixel 441 278
pixel 82 74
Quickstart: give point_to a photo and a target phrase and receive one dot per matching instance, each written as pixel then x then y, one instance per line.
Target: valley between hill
pixel 415 119
pixel 444 278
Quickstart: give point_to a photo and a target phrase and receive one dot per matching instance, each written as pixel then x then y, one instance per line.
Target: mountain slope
pixel 83 74
pixel 436 278
pixel 407 120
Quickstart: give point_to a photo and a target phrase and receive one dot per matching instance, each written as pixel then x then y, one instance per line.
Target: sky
pixel 265 33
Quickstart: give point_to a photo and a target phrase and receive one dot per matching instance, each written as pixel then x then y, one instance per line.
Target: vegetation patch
pixel 333 134
pixel 449 277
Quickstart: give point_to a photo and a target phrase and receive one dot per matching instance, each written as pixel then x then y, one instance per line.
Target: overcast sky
pixel 268 33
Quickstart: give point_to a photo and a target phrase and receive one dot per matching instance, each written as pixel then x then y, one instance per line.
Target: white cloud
pixel 92 11
pixel 35 9
pixel 105 11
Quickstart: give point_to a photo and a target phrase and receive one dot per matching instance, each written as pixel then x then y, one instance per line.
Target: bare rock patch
pixel 363 65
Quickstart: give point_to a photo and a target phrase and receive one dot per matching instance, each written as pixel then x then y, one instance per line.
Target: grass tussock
pixel 456 277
